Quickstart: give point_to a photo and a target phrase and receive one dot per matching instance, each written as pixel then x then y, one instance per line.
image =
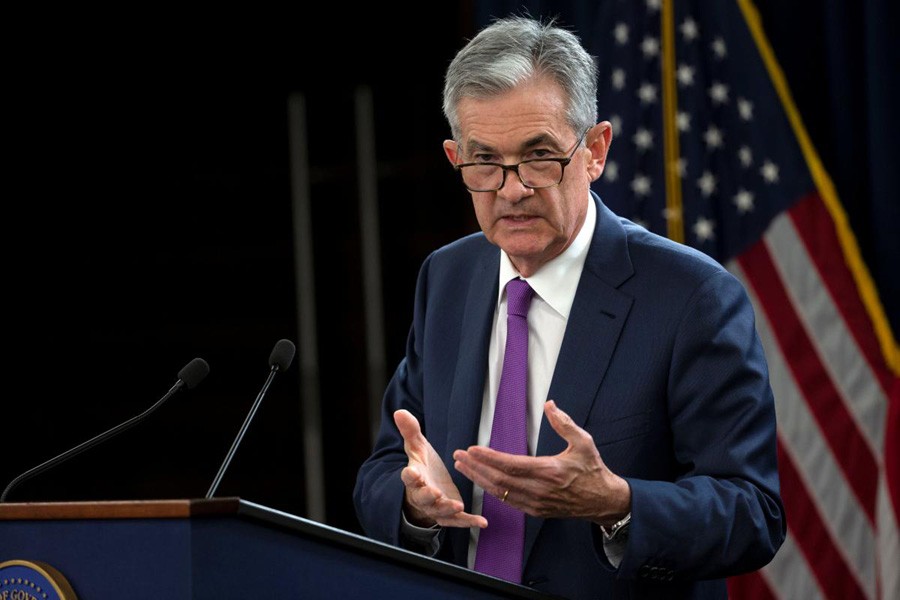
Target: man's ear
pixel 451 149
pixel 598 139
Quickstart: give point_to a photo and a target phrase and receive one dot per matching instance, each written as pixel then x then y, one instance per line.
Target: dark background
pixel 148 221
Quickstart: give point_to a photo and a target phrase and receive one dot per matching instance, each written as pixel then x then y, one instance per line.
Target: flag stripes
pixel 840 353
pixel 822 552
pixel 851 450
pixel 817 490
pixel 817 230
pixel 753 584
pixel 788 573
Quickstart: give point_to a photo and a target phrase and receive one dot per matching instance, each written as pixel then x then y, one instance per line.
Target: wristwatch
pixel 618 529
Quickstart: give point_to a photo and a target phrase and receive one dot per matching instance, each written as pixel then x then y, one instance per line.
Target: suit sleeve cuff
pixel 424 540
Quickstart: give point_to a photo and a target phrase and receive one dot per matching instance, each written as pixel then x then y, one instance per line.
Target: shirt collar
pixel 556 281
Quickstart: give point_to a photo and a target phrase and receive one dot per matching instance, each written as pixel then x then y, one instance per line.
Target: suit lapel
pixel 464 407
pixel 595 323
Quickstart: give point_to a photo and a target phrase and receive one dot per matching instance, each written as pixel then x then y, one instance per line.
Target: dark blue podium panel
pixel 252 552
pixel 108 559
pixel 297 567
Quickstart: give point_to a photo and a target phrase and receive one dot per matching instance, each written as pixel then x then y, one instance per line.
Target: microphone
pixel 279 360
pixel 190 375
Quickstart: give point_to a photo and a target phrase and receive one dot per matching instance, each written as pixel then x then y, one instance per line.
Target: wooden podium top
pixel 118 509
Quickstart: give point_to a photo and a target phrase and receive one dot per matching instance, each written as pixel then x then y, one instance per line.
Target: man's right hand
pixel 431 496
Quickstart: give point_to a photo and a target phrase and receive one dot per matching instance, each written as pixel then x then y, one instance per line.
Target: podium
pixel 223 549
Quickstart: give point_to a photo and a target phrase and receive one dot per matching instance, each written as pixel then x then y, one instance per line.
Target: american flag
pixel 708 149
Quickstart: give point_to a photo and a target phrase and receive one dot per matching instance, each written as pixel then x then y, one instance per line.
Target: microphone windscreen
pixel 282 354
pixel 194 372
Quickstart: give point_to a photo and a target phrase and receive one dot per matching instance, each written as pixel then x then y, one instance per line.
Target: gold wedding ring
pixel 505 494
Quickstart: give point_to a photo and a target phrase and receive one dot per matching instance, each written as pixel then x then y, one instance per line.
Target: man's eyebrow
pixel 542 139
pixel 473 146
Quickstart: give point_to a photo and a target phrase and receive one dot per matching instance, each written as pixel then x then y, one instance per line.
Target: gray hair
pixel 512 50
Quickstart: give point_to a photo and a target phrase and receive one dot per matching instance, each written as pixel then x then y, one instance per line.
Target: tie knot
pixel 518 297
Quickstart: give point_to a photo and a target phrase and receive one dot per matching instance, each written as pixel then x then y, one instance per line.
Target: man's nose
pixel 513 189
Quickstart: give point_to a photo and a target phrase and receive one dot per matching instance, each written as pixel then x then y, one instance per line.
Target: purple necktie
pixel 501 544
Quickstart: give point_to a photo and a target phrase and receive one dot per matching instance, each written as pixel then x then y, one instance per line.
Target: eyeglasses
pixel 535 173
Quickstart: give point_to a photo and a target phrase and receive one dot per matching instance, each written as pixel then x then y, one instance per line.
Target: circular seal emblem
pixel 33 580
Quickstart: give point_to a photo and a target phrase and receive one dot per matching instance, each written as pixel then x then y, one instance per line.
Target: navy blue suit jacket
pixel 660 363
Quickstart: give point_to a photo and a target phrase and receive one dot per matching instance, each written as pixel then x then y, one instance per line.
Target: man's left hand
pixel 574 483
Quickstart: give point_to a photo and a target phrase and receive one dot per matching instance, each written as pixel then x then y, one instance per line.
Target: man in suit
pixel 645 463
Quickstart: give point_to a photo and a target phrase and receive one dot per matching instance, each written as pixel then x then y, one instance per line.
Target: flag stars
pixel 707 184
pixel 745 155
pixel 689 29
pixel 650 47
pixel 616 122
pixel 685 75
pixel 719 48
pixel 643 139
pixel 704 229
pixel 745 109
pixel 671 214
pixel 618 79
pixel 718 92
pixel 683 121
pixel 743 200
pixel 611 170
pixel 713 138
pixel 769 172
pixel 620 33
pixel 653 5
pixel 640 185
pixel 647 93
pixel 681 167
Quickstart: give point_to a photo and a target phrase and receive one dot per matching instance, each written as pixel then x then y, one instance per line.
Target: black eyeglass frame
pixel 564 162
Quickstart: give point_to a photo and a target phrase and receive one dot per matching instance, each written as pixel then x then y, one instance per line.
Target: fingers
pixel 490 479
pixel 515 465
pixel 414 442
pixel 408 425
pixel 533 494
pixel 463 519
pixel 425 498
pixel 563 424
pixel 412 478
pixel 433 505
pixel 422 495
pixel 537 485
pixel 559 420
